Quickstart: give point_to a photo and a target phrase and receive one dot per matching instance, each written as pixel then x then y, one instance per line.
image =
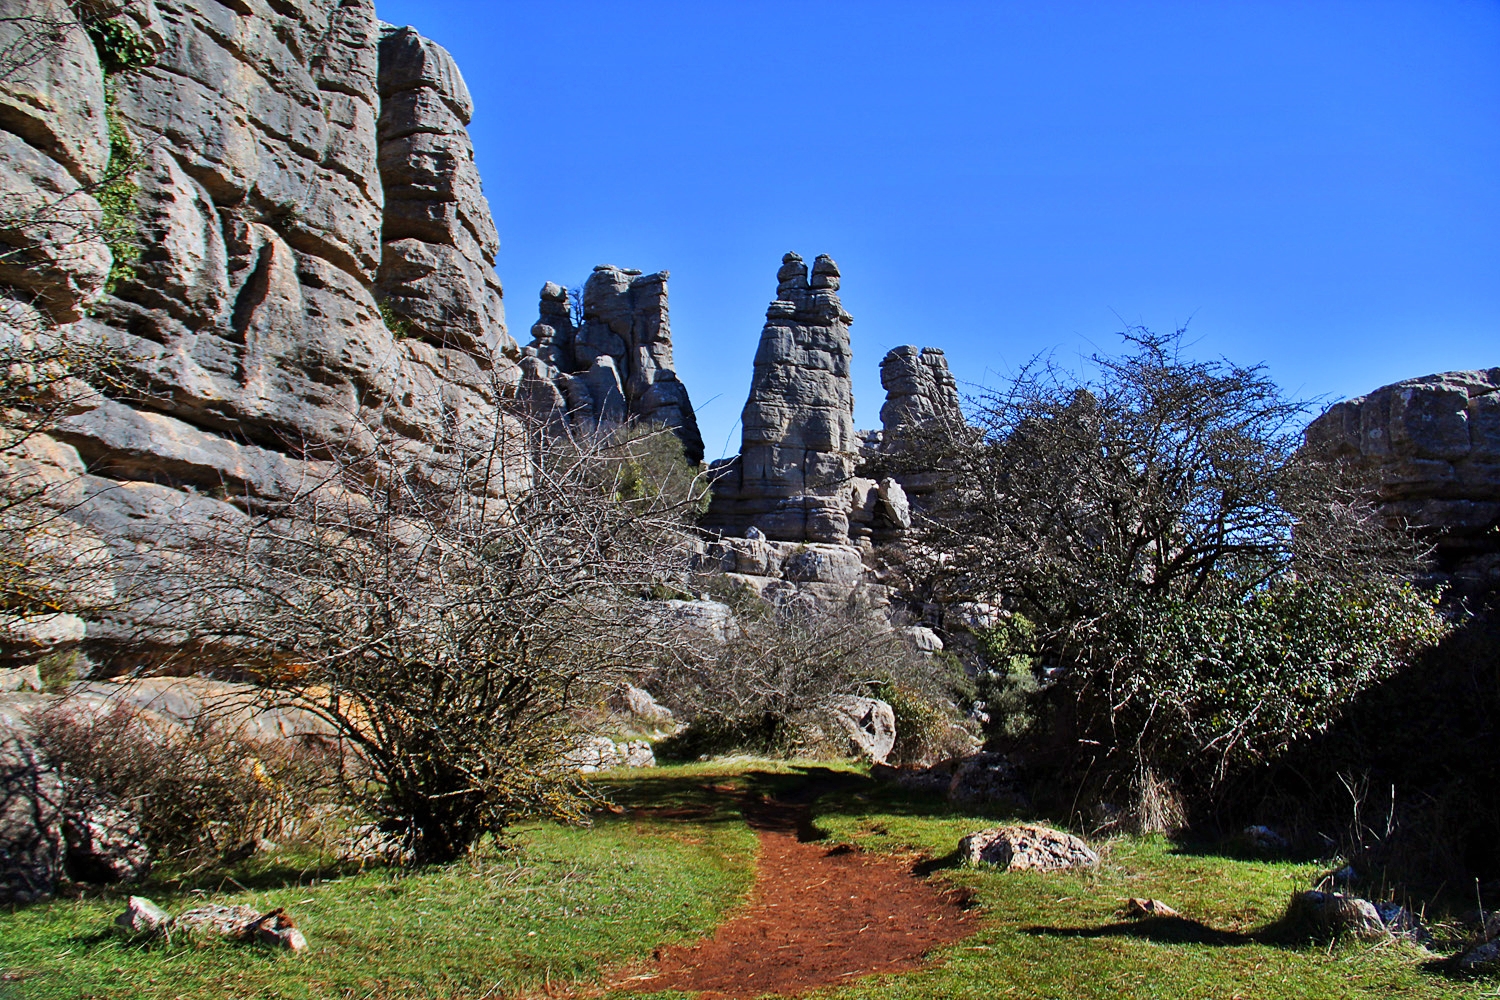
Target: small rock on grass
pixel 1140 909
pixel 142 916
pixel 235 923
pixel 1026 847
pixel 1333 914
pixel 1480 959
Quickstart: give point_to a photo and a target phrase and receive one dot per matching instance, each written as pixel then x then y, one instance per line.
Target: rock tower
pixel 791 480
pixel 617 363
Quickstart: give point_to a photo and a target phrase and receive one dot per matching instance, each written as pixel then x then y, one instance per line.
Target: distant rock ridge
pixel 1434 443
pixel 616 364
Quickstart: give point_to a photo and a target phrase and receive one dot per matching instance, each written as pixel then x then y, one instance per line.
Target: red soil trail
pixel 817 915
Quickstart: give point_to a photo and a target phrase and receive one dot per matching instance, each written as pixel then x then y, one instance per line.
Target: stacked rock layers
pixel 616 364
pixel 316 265
pixel 1434 443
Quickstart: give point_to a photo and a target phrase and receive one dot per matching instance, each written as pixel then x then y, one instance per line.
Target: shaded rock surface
pixel 616 364
pixel 1026 847
pixel 1334 914
pixel 921 407
pixel 1434 444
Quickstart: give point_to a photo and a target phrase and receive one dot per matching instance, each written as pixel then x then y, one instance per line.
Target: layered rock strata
pixel 616 364
pixel 793 479
pixel 1434 444
pixel 921 407
pixel 316 263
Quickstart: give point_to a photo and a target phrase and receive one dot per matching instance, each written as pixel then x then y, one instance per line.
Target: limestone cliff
pixel 316 263
pixel 1434 443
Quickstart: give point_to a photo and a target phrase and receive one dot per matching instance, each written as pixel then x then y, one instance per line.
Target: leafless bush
pixel 446 615
pixel 200 792
pixel 767 687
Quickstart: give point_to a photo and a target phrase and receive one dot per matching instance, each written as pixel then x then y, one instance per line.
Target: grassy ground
pixel 558 906
pixel 565 903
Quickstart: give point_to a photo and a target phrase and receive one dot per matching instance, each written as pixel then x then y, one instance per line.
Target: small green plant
pixel 121 48
pixel 58 670
pixel 117 197
pixel 399 326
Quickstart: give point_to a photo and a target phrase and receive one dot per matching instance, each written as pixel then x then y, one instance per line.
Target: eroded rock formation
pixel 614 365
pixel 1434 443
pixel 921 407
pixel 791 479
pixel 316 264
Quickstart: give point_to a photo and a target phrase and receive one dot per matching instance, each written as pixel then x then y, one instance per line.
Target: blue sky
pixel 1315 185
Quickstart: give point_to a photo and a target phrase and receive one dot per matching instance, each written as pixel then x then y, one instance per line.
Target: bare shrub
pixel 768 686
pixel 200 793
pixel 448 616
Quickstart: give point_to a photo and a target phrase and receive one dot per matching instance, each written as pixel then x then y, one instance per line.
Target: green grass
pixel 559 906
pixel 566 903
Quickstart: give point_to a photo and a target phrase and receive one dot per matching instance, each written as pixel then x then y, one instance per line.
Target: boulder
pixel 104 840
pixel 923 639
pixel 869 723
pixel 640 710
pixel 1334 914
pixel 241 923
pixel 142 917
pixel 1026 848
pixel 1480 959
pixel 31 820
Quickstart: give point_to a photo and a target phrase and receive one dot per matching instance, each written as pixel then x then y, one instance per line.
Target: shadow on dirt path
pixel 817 914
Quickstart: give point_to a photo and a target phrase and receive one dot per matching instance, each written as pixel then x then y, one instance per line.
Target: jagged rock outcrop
pixel 316 270
pixel 792 477
pixel 1434 443
pixel 616 364
pixel 921 405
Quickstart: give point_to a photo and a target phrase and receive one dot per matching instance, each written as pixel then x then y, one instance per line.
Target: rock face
pixel 617 363
pixel 31 820
pixel 921 401
pixel 792 478
pixel 1026 847
pixel 316 267
pixel 1434 443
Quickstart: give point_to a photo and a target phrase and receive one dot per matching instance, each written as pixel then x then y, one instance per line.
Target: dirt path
pixel 817 915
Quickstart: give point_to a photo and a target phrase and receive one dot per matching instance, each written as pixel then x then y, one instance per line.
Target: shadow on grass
pixel 1162 930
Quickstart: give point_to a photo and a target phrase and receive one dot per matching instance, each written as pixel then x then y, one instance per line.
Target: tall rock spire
pixel 798 444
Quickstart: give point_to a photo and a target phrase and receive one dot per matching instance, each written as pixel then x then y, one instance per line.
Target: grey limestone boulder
pixel 1026 847
pixel 869 723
